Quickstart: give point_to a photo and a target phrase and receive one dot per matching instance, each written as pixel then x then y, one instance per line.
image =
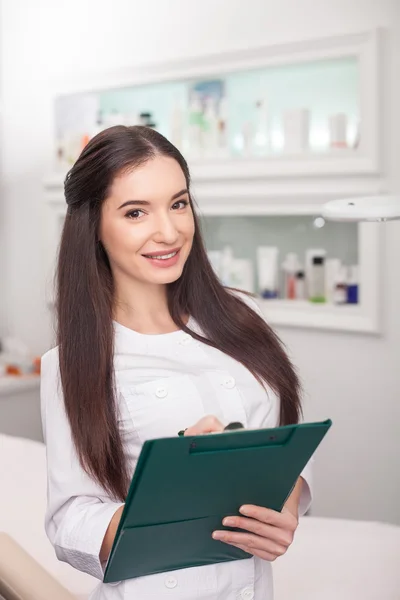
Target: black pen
pixel 229 427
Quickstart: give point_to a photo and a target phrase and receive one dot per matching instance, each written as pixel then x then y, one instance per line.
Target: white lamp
pixel 372 208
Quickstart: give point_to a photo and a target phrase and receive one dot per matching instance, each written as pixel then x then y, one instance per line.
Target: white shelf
pixel 345 162
pixel 10 384
pixel 303 314
pixel 257 194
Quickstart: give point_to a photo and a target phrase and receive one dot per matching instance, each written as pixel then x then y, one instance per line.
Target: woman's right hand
pixel 208 424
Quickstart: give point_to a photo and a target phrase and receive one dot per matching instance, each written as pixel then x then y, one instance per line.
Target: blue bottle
pixel 352 286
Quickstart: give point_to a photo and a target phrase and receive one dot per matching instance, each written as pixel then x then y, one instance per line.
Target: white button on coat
pixel 171 582
pixel 161 392
pixel 229 382
pixel 247 594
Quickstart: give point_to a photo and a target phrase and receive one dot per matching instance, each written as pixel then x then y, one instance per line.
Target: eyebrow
pixel 147 203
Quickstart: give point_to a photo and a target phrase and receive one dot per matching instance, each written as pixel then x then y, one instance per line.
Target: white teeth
pixel 163 257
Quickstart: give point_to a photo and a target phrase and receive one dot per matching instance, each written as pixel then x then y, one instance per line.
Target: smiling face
pixel 147 224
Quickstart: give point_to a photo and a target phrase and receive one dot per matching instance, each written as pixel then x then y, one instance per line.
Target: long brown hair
pixel 85 297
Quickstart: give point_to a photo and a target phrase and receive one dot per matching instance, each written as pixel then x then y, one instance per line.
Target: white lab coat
pixel 165 383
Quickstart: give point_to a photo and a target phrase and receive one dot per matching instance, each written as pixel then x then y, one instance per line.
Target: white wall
pixel 353 379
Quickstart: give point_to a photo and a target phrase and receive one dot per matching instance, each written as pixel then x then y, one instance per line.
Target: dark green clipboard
pixel 183 487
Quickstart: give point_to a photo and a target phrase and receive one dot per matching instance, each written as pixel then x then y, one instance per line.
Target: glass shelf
pixel 324 87
pixel 247 113
pixel 289 234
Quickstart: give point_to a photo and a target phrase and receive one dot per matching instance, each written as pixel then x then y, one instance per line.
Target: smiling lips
pixel 164 259
pixel 162 256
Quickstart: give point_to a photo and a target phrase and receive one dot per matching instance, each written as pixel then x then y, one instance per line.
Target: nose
pixel 165 230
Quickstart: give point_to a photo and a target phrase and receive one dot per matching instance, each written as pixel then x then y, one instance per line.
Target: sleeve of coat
pixel 78 510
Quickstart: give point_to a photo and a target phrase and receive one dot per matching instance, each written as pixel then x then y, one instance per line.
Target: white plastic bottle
pixel 210 129
pixel 296 127
pixel 299 285
pixel 338 130
pixel 247 138
pixel 261 141
pixel 223 138
pixel 195 125
pixel 242 274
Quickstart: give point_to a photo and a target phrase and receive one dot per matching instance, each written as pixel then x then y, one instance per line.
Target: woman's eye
pixel 137 213
pixel 134 214
pixel 182 202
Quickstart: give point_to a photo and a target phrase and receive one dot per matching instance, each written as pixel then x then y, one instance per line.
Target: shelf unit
pixel 277 184
pixel 363 47
pixel 363 318
pixel 10 384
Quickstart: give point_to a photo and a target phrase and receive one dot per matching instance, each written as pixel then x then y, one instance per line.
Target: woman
pixel 150 343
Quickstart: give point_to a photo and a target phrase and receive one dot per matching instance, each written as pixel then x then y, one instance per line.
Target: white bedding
pixel 335 559
pixel 22 508
pixel 331 559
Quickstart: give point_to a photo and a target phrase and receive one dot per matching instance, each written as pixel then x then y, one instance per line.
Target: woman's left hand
pixel 267 533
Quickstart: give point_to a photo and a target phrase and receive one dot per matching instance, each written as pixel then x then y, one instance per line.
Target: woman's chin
pixel 165 275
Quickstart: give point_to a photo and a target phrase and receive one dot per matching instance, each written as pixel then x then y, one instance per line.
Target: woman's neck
pixel 144 310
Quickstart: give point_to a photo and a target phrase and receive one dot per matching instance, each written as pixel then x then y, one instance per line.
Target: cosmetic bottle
pixel 299 285
pixel 247 138
pixel 290 267
pixel 84 141
pixel 333 273
pixel 63 162
pixel 340 287
pixel 260 143
pixel 352 285
pixel 338 131
pixel 357 136
pixel 210 129
pixel 195 125
pixel 145 118
pixel 316 283
pixel 223 149
pixel 241 274
pixel 267 271
pixel 296 128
